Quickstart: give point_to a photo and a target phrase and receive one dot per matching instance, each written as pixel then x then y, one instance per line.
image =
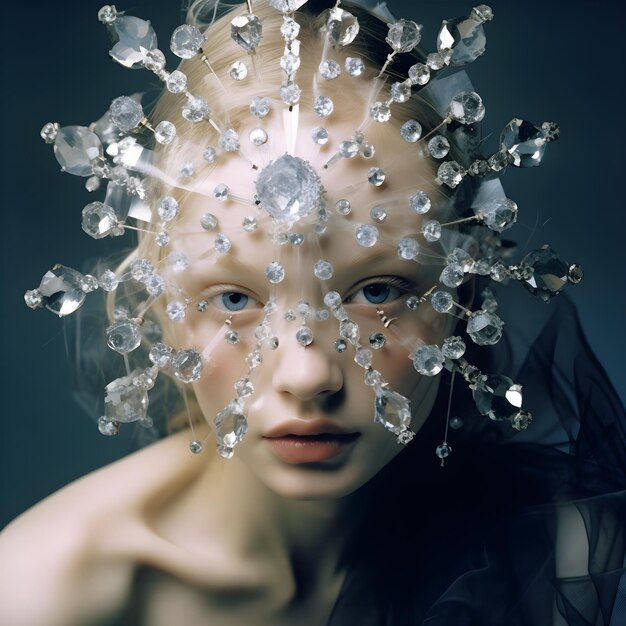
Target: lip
pixel 312 448
pixel 304 428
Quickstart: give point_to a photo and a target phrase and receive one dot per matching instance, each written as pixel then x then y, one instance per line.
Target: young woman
pixel 313 264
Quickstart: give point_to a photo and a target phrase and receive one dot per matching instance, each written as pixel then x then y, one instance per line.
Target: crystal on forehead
pixel 288 188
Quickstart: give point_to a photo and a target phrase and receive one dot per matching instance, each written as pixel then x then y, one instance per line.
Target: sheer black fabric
pixel 518 528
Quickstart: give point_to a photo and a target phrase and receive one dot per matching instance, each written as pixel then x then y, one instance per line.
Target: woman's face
pixel 314 393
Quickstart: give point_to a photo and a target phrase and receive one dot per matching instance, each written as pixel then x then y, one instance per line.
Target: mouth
pixel 311 448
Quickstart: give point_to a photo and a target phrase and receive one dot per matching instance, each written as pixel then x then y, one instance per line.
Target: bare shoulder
pixel 69 559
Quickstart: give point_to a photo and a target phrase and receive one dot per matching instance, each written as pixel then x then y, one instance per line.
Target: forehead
pixel 405 172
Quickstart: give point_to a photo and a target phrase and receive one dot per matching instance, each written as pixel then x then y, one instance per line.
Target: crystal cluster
pixel 289 195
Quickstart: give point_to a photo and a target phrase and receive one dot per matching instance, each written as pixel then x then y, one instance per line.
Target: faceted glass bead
pixel 222 243
pixel 319 135
pixel 376 176
pixel 99 220
pixel 443 450
pixel 238 70
pixel 61 291
pixel 392 410
pixel 467 107
pixel 341 346
pixel 435 61
pixel 412 302
pixel 168 208
pixel 258 136
pixel 33 298
pixel 208 221
pixel 288 188
pixel 408 249
pixel 108 428
pixel 195 446
pixel 231 337
pixel 154 60
pixel 304 336
pixel 483 12
pixel 401 92
pixel 249 223
pixel 323 106
pixel 403 35
pixel 428 360
pixel 547 273
pixel 230 425
pixel 124 401
pixel 260 106
pixel 210 155
pixel 411 131
pixel 123 336
pixel 229 140
pixel 499 160
pixel 498 397
pixel 431 229
pixel 349 330
pixel 75 148
pixel 484 328
pixel 176 310
pixel 332 299
pixel 524 142
pixel 135 38
pixel 187 169
pixel 419 74
pixel 348 149
pixel 354 66
pixel 323 270
pixel 187 365
pixel 377 340
pixel 244 388
pixel 107 14
pixel 49 132
pixel 366 235
pixel 126 113
pixel 290 94
pixel 499 214
pixel 438 147
pixel 289 29
pixel 341 27
pixel 186 41
pixel 441 301
pixel 452 275
pixel 378 215
pixel 343 207
pixel 465 37
pixel 275 272
pixel 329 69
pixel 196 109
pixel 165 132
pixel 290 63
pixel 453 347
pixel 176 82
pixel 420 202
pixel 108 281
pixel 363 357
pixel 160 354
pixel 372 378
pixel 246 31
pixel 220 192
pixel 380 112
pixel 450 173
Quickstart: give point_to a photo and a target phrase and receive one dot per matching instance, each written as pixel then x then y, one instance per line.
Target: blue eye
pixel 376 293
pixel 233 300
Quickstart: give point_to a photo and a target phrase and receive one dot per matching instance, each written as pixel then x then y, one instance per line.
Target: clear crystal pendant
pixel 61 290
pixel 135 38
pixel 392 410
pixel 230 426
pixel 465 37
pixel 341 27
pixel 124 401
pixel 524 142
pixel 246 31
pixel 499 398
pixel 75 148
pixel 546 273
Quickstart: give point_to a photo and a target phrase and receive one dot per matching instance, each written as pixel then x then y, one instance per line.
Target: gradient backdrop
pixel 546 60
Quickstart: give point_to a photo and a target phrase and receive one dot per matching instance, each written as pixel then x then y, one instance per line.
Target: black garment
pixel 480 541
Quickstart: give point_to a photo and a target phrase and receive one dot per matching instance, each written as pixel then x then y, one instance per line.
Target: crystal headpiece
pixel 461 213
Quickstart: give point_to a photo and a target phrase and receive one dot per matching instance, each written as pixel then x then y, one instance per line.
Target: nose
pixel 306 372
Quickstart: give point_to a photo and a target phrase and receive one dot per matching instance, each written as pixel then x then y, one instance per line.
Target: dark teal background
pixel 556 61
